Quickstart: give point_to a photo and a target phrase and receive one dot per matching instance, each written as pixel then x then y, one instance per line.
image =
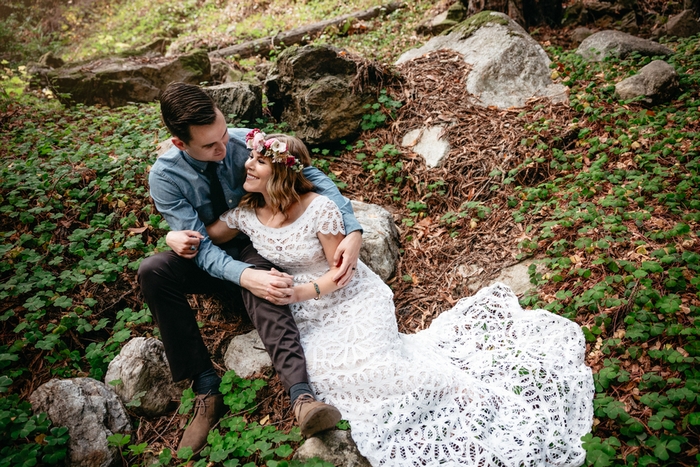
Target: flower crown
pixel 255 140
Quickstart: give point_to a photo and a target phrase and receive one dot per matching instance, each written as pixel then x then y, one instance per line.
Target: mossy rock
pixel 470 25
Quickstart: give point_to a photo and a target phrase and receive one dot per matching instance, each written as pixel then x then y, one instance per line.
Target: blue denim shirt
pixel 180 189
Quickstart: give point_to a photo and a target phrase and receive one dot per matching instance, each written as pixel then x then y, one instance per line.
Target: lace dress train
pixel 487 384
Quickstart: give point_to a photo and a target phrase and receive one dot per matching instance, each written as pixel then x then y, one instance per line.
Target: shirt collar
pixel 199 165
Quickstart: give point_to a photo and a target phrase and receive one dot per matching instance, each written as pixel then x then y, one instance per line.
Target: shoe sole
pixel 320 419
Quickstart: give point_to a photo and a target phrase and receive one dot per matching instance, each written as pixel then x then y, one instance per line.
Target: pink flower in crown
pixel 250 136
pixel 255 140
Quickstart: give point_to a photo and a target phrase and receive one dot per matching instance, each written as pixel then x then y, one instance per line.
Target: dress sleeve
pixel 231 218
pixel 329 219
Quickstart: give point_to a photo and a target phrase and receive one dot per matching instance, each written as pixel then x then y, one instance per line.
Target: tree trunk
pixel 539 12
pixel 525 12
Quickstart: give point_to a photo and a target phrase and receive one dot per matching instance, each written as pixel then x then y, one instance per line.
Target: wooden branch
pixel 299 35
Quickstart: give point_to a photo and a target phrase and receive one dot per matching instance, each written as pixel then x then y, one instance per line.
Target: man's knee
pixel 153 269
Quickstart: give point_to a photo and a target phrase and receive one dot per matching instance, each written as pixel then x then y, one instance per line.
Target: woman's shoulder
pixel 307 199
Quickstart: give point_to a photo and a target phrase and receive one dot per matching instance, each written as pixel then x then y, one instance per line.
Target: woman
pixel 487 384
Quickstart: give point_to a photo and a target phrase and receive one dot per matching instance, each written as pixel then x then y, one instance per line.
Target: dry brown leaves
pixel 435 269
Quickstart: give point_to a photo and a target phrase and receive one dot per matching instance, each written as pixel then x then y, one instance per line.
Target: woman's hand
pixel 184 243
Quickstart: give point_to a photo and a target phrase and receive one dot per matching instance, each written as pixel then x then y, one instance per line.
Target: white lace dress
pixel 487 384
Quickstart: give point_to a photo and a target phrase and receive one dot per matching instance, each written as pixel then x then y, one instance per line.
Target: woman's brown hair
pixel 285 185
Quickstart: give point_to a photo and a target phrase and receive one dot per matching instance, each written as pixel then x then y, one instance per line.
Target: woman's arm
pixel 219 232
pixel 325 283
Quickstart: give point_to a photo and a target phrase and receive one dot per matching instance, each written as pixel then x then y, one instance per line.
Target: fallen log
pixel 300 35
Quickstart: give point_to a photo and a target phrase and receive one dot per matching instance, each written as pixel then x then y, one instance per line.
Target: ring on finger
pixel 193 248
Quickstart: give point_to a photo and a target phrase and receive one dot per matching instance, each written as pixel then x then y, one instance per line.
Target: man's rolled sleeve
pixel 181 215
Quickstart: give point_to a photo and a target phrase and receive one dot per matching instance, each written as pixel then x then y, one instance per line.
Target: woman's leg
pixel 276 326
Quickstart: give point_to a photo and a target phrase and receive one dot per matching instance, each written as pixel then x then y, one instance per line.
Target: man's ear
pixel 178 143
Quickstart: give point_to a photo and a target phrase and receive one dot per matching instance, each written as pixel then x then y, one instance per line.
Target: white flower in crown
pixel 279 151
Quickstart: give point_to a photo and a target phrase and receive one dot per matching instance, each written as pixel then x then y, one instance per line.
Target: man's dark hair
pixel 183 105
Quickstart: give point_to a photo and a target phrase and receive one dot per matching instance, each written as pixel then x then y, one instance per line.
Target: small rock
pixel 628 23
pixel 429 143
pixel 380 238
pixel 222 72
pixel 684 24
pixel 143 370
pixel 91 411
pixel 240 99
pixel 658 81
pixel 246 355
pixel 334 446
pixel 580 33
pixel 444 21
pixel 164 146
pixel 600 45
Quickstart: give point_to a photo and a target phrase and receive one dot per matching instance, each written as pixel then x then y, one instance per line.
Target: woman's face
pixel 258 172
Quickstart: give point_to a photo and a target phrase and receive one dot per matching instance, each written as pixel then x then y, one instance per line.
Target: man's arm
pixel 181 215
pixel 273 286
pixel 348 252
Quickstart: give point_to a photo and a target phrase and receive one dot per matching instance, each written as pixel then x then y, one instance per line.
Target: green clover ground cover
pixel 619 234
pixel 616 222
pixel 76 221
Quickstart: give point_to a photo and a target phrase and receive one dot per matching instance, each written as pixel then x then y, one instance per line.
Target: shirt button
pixel 230 201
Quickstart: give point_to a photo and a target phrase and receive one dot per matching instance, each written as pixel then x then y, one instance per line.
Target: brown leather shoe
pixel 314 416
pixel 208 409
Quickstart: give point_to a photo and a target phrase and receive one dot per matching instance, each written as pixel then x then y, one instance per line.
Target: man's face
pixel 207 142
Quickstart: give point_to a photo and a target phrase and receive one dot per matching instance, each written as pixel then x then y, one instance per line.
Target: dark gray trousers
pixel 166 279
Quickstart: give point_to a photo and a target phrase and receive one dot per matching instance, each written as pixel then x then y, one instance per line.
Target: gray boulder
pixel 380 239
pixel 311 88
pixel 246 355
pixel 684 24
pixel 241 99
pixel 118 81
pixel 91 411
pixel 597 47
pixel 657 81
pixel 334 446
pixel 143 370
pixel 508 66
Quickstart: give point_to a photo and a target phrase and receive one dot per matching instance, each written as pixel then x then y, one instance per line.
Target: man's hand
pixel 184 242
pixel 273 285
pixel 346 256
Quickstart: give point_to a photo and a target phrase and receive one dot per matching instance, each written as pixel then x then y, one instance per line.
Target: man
pixel 192 184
